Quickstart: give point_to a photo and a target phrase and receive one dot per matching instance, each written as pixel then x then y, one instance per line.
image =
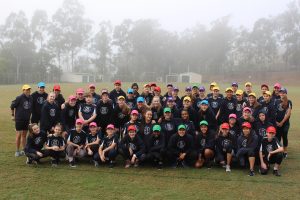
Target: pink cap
pixel 80 91
pixel 110 126
pixel 92 86
pixel 277 85
pixel 232 116
pixel 247 109
pixel 118 82
pixel 134 112
pixel 93 124
pixel 72 97
pixel 79 121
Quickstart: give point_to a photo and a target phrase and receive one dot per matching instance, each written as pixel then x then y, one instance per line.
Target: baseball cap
pixel 264 85
pixel 195 86
pixel 26 87
pixel 283 90
pixel 156 128
pixel 247 109
pixel 248 84
pixel 235 84
pixel 229 89
pixel 239 92
pixel 41 84
pixel 181 126
pixel 252 94
pixel 56 88
pixel 203 122
pixel 216 88
pixel 140 99
pixel 93 124
pixel 121 97
pixel 201 88
pixel 131 128
pixel 225 126
pixel 130 91
pixel 232 116
pixel 277 85
pixel 169 85
pixel 167 110
pixel 157 89
pixel 110 126
pixel 271 129
pixel 72 97
pixel 175 89
pixel 134 112
pixel 147 85
pixel 79 91
pixel 92 86
pixel 152 84
pixel 104 91
pixel 268 93
pixel 204 102
pixel 118 82
pixel 213 84
pixel 188 88
pixel 79 121
pixel 246 124
pixel 170 99
pixel 187 98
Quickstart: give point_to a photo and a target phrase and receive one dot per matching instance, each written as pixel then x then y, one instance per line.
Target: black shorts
pixel 22 125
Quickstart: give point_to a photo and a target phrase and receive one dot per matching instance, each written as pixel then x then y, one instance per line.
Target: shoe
pixel 228 168
pixel 285 155
pixel 96 163
pixel 28 161
pixel 223 165
pixel 276 173
pixel 127 164
pixel 17 154
pixel 54 163
pixel 72 164
pixel 111 164
pixel 22 153
pixel 208 164
pixel 136 163
pixel 160 165
pixel 251 173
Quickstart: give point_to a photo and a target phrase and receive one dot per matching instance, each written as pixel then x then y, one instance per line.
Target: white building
pixel 69 77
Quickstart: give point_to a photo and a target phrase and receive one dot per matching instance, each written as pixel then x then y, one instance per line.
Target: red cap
pixel 277 85
pixel 131 128
pixel 232 116
pixel 110 126
pixel 246 124
pixel 271 129
pixel 157 89
pixel 79 121
pixel 56 87
pixel 247 109
pixel 93 124
pixel 92 86
pixel 72 97
pixel 79 91
pixel 264 85
pixel 225 126
pixel 134 112
pixel 152 84
pixel 118 82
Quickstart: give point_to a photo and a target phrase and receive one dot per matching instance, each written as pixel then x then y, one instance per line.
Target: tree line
pixel 42 47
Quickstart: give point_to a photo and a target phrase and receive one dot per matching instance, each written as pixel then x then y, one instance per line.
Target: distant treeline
pixel 38 49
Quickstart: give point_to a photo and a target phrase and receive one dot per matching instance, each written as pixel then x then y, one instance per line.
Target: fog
pixel 146 40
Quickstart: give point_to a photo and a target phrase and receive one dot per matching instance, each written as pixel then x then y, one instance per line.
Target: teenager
pixel 228 106
pixel 268 106
pixel 93 139
pixel 157 92
pixel 283 114
pixel 76 143
pixel 87 111
pixel 38 99
pixel 141 107
pixel 146 128
pixel 132 148
pixel 172 105
pixel 175 97
pixel 117 92
pixel 234 87
pixel 121 115
pixel 157 109
pixel 59 99
pixel 248 90
pixel 247 144
pixel 133 121
pixel 168 125
pixel 275 93
pixel 130 100
pixel 263 88
pixel 80 99
pixel 261 125
pixel 135 88
pixel 246 117
pixel 201 97
pixel 185 119
pixel 68 115
pixel 36 140
pixel 187 104
pixel 240 103
pixel 21 109
pixel 104 110
pixel 215 101
pixel 96 97
pixel 253 105
pixel 234 130
pixel 205 113
pixel 169 92
pixel 147 95
pixel 270 152
pixel 55 145
pixel 188 93
pixel 212 86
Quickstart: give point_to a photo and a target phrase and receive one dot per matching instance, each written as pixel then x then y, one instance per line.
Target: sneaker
pixel 127 164
pixel 96 163
pixel 228 168
pixel 276 173
pixel 72 164
pixel 22 153
pixel 111 164
pixel 136 163
pixel 285 155
pixel 17 154
pixel 223 165
pixel 28 161
pixel 251 173
pixel 160 165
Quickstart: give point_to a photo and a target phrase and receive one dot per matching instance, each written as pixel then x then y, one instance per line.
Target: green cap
pixel 167 110
pixel 156 128
pixel 182 126
pixel 203 122
pixel 195 86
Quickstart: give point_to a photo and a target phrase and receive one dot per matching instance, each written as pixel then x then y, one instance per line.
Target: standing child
pixel 68 115
pixel 117 92
pixel 133 121
pixel 21 109
pixel 87 112
pixel 104 110
pixel 96 97
pixel 38 99
pixel 59 99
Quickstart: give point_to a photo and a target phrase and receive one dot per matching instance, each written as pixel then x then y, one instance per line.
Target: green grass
pixel 19 181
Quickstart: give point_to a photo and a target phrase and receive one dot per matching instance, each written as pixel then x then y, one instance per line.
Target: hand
pixel 39 154
pixel 62 106
pixel 279 124
pixel 153 122
pixel 133 159
pixel 102 157
pixel 159 120
pixel 56 148
pixel 263 165
pixel 182 156
pixel 130 151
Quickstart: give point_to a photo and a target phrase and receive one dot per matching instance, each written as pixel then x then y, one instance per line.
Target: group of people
pixel 201 128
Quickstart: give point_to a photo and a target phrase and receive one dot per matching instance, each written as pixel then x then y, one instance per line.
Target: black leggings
pixel 34 156
pixel 282 132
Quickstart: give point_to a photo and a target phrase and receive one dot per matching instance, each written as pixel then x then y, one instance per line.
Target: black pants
pixel 35 157
pixel 109 155
pixel 282 132
pixel 156 155
pixel 190 157
pixel 221 154
pixel 56 154
pixel 274 159
pixel 126 154
pixel 243 154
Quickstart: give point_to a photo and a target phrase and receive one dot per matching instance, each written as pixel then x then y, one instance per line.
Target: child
pixel 76 143
pixel 121 115
pixel 55 145
pixel 247 143
pixel 130 100
pixel 21 109
pixel 93 140
pixel 96 97
pixel 156 149
pixel 117 92
pixel 240 103
pixel 104 110
pixel 168 125
pixel 80 100
pixel 215 101
pixel 157 109
pixel 228 105
pixel 59 99
pixel 141 107
pixel 206 113
pixel 38 99
pixel 35 143
pixel 108 148
pixel 270 152
pixel 133 121
pixel 132 148
pixel 87 111
pixel 68 115
pixel 147 95
pixel 224 147
pixel 135 88
pixel 185 119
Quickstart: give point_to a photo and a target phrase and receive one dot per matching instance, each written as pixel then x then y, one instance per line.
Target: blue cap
pixel 41 84
pixel 284 90
pixel 140 99
pixel 130 91
pixel 202 88
pixel 204 102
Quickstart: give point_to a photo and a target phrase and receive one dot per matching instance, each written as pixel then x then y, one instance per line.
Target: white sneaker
pixel 17 154
pixel 22 153
pixel 228 168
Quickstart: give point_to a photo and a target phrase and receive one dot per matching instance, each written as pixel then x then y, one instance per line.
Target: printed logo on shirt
pixel 103 110
pixel 71 112
pixel 93 139
pixel 269 148
pixel 214 104
pixel 37 140
pixel 156 142
pixel 86 109
pixel 40 100
pixel 279 107
pixel 230 106
pixel 132 146
pixel 26 105
pixel 130 104
pixel 76 139
pixel 244 143
pixel 265 109
pixel 169 127
pixel 226 143
pixel 239 107
pixel 203 142
pixel 121 115
pixel 262 132
pixel 54 143
pixel 232 132
pixel 52 112
pixel 147 130
pixel 181 144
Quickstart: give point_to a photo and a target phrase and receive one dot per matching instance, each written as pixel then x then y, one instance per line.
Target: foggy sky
pixel 174 15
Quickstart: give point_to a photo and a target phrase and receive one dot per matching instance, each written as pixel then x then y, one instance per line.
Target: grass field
pixel 19 181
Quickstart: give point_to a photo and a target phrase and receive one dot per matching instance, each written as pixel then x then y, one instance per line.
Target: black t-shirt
pixel 59 100
pixel 156 113
pixel 38 100
pixel 108 141
pixel 280 111
pixel 92 138
pixel 267 146
pixel 215 104
pixel 104 112
pixel 87 110
pixel 181 144
pixel 156 142
pixel 23 106
pixel 77 138
pixel 36 142
pixel 68 116
pixel 131 103
pixel 228 107
pixel 55 141
pixel 50 115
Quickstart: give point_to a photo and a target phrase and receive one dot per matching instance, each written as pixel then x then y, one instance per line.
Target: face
pixel 89 99
pixel 36 129
pixel 146 89
pixel 72 102
pixel 135 88
pixel 27 92
pixel 130 95
pixel 186 103
pixel 252 99
pixel 93 129
pixel 246 114
pixel 234 87
pixel 79 96
pixel 156 133
pixel 264 89
pixel 239 97
pixel 188 92
pixel 216 93
pixel 248 88
pixel 232 121
pixel 167 115
pixel 134 117
pixel 78 127
pixel 170 104
pixel 57 92
pixel 110 131
pixel 156 93
pixel 118 87
pixel 140 104
pixel 170 89
pixel 270 135
pixel 42 89
pixel 282 95
pixel 92 90
pixel 181 132
pixel 204 107
pixel 121 102
pixel 262 117
pixel 202 93
pixel 148 115
pixel 175 93
pixel 266 97
pixel 104 97
pixel 131 134
pixel 51 98
pixel 225 131
pixel 276 90
pixel 229 94
pixel 57 129
pixel 203 129
pixel 184 115
pixel 246 131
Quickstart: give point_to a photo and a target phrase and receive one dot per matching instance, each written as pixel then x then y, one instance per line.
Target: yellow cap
pixel 121 97
pixel 216 88
pixel 239 92
pixel 248 84
pixel 268 93
pixel 213 84
pixel 229 89
pixel 26 87
pixel 187 98
pixel 252 94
